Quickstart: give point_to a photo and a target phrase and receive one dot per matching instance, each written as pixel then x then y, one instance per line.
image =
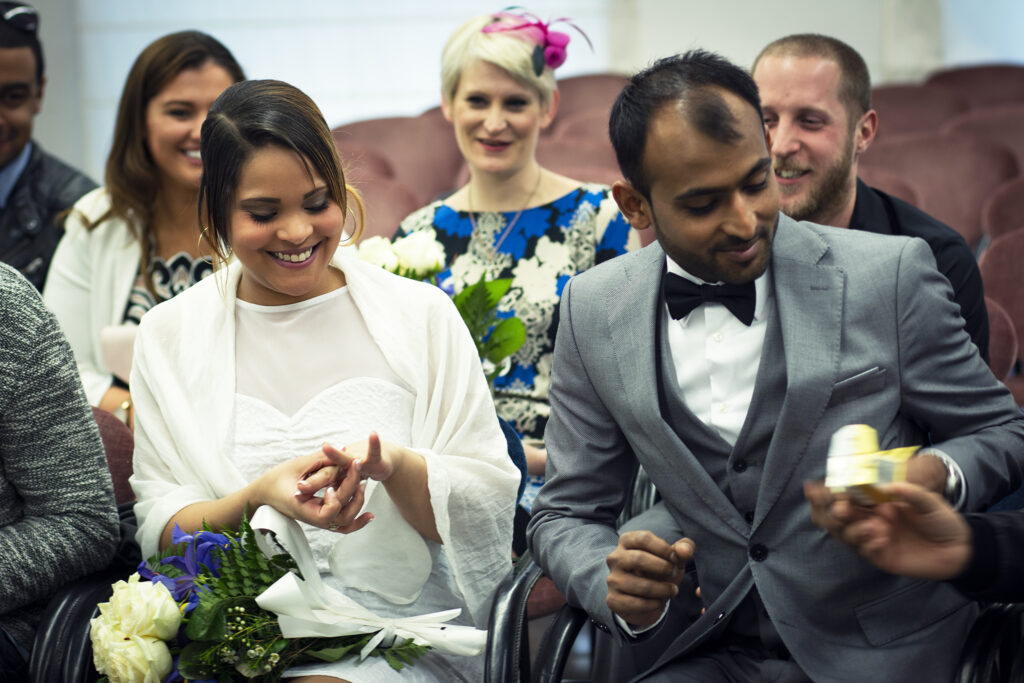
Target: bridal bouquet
pixel 421 257
pixel 195 614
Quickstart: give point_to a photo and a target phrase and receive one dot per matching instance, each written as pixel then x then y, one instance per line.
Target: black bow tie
pixel 683 296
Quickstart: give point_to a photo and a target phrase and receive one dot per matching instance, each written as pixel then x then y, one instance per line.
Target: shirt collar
pixel 11 172
pixel 762 285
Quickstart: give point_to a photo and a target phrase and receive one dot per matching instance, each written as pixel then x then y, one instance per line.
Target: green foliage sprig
pixel 496 338
pixel 228 634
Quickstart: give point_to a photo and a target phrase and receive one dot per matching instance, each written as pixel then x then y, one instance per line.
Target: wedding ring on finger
pixel 333 526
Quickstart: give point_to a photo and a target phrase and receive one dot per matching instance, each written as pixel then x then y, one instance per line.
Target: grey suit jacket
pixel 870 335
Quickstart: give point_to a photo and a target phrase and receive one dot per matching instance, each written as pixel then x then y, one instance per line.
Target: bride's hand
pixel 291 487
pixel 374 460
pixel 322 474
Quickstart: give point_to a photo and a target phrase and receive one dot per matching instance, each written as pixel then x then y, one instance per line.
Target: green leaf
pixel 333 654
pixel 208 621
pixel 483 293
pixel 191 661
pixel 496 289
pixel 506 338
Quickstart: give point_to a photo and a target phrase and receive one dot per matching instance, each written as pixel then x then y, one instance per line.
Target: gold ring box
pixel 856 466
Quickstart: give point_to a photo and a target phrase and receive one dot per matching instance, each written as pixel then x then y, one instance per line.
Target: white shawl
pixel 183 387
pixel 90 279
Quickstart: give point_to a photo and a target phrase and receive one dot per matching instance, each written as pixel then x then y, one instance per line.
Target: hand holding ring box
pixel 856 466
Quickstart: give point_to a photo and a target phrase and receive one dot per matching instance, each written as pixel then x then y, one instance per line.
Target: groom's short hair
pixel 692 79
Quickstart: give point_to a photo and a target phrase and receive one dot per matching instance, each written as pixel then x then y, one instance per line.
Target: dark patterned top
pixel 170 278
pixel 546 246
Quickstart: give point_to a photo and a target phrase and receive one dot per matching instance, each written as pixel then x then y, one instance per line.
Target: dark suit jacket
pixel 870 335
pixel 30 225
pixel 877 212
pixel 996 571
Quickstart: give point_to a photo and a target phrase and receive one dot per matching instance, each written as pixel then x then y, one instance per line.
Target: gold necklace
pixel 511 223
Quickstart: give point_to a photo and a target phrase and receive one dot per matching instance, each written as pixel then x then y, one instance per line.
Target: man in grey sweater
pixel 58 521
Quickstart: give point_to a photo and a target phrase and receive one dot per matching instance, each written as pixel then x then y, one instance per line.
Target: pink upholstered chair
pixel 954 174
pixel 387 202
pixel 118 443
pixel 907 108
pixel 591 91
pixel 587 124
pixel 1002 345
pixel 362 161
pixel 562 156
pixel 983 85
pixel 421 151
pixel 1003 124
pixel 1000 267
pixel 1003 211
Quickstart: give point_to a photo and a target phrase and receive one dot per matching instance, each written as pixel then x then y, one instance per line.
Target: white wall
pixel 988 31
pixel 362 58
pixel 355 59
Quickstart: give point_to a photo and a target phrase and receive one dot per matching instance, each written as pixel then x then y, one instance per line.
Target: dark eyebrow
pixel 179 103
pixel 761 164
pixel 277 200
pixel 813 111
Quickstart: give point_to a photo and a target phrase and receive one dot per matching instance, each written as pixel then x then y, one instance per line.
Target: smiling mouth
pixel 790 173
pixel 193 154
pixel 294 256
pixel 743 253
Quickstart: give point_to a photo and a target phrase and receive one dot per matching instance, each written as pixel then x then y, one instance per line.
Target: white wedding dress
pixel 309 373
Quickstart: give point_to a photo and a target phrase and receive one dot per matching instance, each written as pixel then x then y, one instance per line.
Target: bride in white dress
pixel 299 368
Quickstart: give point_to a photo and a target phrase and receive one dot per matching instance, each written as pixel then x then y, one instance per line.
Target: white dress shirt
pixel 719 389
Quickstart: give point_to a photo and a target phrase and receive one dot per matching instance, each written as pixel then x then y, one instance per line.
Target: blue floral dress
pixel 544 247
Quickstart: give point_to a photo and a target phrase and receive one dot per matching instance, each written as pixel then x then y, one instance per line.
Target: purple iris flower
pixel 199 551
pixel 198 556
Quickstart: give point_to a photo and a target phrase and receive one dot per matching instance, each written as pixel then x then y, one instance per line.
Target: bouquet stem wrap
pixel 307 607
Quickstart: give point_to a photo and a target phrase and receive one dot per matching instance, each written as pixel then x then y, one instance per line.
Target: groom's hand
pixel 645 574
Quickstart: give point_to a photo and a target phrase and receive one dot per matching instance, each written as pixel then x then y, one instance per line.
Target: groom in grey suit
pixel 722 358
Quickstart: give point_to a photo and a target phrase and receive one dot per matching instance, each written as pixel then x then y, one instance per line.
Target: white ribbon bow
pixel 308 607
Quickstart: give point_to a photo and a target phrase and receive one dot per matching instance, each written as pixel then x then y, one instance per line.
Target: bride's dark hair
pixel 251 115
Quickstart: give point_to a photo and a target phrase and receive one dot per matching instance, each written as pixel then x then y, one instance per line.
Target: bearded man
pixel 816 97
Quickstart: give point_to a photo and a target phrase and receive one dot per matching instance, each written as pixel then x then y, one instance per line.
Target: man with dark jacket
pixel 35 188
pixel 816 95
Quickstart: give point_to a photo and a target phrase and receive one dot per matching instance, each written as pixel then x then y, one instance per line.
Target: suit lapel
pixel 809 303
pixel 634 315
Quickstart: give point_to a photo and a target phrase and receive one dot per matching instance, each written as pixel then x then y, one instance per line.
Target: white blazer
pixel 90 279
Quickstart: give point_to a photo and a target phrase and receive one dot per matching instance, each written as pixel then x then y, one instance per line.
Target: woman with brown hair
pixel 136 241
pixel 243 381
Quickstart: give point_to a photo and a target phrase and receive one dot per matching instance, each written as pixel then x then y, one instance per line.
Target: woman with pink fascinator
pixel 515 218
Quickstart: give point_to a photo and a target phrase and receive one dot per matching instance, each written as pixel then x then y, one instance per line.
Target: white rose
pixel 128 658
pixel 377 250
pixel 420 254
pixel 103 638
pixel 143 608
pixel 139 660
